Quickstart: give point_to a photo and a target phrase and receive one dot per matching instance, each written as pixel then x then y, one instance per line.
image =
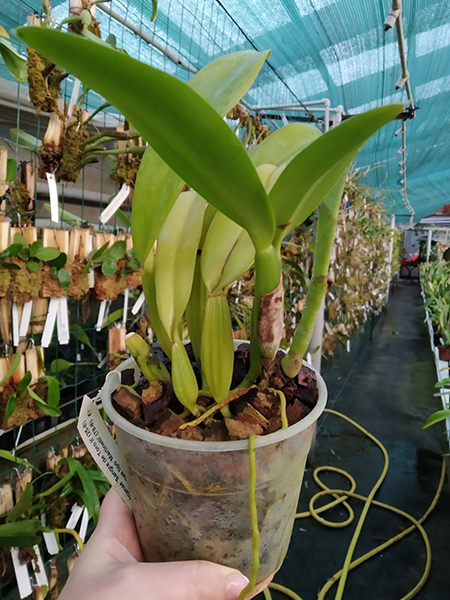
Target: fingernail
pixel 235 584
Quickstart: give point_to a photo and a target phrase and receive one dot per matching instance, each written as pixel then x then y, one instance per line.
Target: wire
pixel 340 497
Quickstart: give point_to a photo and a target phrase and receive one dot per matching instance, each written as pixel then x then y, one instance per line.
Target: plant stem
pixel 96 111
pixel 267 278
pixel 133 150
pixel 326 227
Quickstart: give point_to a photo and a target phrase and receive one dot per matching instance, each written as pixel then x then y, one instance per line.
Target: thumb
pixel 191 579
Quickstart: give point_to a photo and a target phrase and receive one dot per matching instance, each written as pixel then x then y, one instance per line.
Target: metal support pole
pixel 429 238
pixel 390 253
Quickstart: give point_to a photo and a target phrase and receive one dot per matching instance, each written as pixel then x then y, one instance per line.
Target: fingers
pixel 187 580
pixel 116 521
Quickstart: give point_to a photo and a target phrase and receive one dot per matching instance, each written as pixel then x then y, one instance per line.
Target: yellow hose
pixel 340 497
pixel 74 534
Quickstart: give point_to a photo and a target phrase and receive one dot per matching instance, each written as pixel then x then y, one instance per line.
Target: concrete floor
pixel 387 387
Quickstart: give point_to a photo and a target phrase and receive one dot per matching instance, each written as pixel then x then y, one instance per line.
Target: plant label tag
pixel 51 543
pixel 22 576
pixel 74 517
pixel 26 317
pixel 63 321
pixel 348 345
pixel 73 97
pixel 138 304
pixel 53 192
pixel 84 524
pixel 102 447
pixel 126 294
pixel 15 324
pixel 284 119
pixel 50 322
pixel 115 203
pixel 101 314
pixel 38 568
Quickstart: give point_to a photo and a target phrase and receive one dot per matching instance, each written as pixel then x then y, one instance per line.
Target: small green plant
pixel 242 208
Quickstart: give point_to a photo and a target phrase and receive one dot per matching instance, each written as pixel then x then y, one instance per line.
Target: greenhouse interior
pixel 224 299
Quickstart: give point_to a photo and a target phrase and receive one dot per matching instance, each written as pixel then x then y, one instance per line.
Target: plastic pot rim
pixel 192 445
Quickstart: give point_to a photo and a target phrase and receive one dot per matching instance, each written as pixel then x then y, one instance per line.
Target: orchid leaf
pixel 15 63
pixel 309 176
pixel 439 415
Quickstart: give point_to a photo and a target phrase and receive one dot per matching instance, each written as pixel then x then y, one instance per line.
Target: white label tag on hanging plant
pixel 38 568
pixel 51 543
pixel 74 517
pixel 53 192
pixel 22 576
pixel 138 304
pixel 63 321
pixel 348 345
pixel 15 324
pixel 126 295
pixel 73 97
pixel 50 322
pixel 84 524
pixel 284 119
pixel 102 447
pixel 115 203
pixel 102 314
pixel 26 318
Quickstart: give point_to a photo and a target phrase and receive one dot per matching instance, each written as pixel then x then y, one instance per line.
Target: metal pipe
pixel 390 253
pixel 397 5
pixel 147 38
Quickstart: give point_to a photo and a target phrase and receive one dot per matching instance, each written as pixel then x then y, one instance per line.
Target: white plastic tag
pixel 73 97
pixel 284 119
pixel 63 321
pixel 84 524
pixel 348 345
pixel 102 447
pixel 22 576
pixel 15 324
pixel 115 203
pixel 50 322
pixel 38 568
pixel 51 543
pixel 53 193
pixel 74 517
pixel 101 314
pixel 138 304
pixel 26 317
pixel 126 294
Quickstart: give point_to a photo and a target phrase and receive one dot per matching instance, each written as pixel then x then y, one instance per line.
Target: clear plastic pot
pixel 190 499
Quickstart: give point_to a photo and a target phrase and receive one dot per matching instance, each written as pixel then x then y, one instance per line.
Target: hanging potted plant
pixel 204 431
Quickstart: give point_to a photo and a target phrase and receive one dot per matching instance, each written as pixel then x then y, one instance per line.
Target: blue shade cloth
pixel 334 49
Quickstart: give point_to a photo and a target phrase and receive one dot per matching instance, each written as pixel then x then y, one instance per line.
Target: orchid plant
pixel 194 244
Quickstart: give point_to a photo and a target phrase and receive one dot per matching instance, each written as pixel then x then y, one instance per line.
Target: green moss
pixel 126 170
pixel 44 90
pixel 25 284
pixel 5 279
pixel 71 161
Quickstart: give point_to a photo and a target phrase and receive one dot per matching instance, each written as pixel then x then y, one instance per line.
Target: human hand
pixel 111 567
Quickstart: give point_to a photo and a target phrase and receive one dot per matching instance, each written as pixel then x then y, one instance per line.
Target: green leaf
pixel 60 261
pixel 154 10
pixel 20 239
pixel 59 365
pixel 57 486
pixel 284 144
pixel 109 266
pixel 33 266
pixel 15 63
pixel 12 250
pixel 91 498
pixel 209 157
pixel 24 382
pixel 112 318
pixel 54 394
pixel 34 248
pixel 66 216
pixel 24 253
pixel 47 254
pixel 51 411
pixel 21 534
pixel 10 406
pixel 122 216
pixel 117 250
pixel 95 256
pixel 25 500
pixel 64 278
pixel 25 139
pixel 15 362
pixel 436 417
pixel 443 383
pixel 10 266
pixel 309 176
pixel 15 459
pixel 78 332
pixel 11 169
pixel 175 258
pixel 54 272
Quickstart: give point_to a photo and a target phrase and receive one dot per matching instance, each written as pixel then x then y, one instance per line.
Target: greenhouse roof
pixel 334 49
